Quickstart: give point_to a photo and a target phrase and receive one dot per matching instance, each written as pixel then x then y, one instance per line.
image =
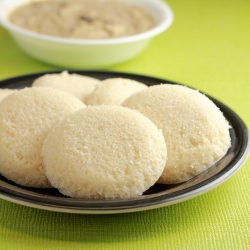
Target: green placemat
pixel 208 47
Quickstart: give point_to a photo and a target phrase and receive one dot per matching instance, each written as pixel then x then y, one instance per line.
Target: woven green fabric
pixel 208 47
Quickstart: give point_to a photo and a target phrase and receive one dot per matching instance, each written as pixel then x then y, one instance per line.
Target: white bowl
pixel 86 53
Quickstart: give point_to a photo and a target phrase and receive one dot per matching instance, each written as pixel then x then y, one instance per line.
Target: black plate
pixel 157 196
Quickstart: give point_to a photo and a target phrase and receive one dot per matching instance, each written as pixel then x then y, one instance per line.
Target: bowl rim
pixel 161 5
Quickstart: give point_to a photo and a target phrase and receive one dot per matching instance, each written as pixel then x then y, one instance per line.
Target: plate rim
pixel 192 192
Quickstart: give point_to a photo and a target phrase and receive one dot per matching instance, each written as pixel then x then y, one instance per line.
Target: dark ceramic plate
pixel 156 196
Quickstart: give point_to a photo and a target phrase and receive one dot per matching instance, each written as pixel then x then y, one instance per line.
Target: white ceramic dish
pixel 86 53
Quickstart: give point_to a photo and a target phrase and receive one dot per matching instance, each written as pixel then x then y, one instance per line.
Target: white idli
pixel 114 91
pixel 104 152
pixel 195 130
pixel 5 92
pixel 25 118
pixel 77 85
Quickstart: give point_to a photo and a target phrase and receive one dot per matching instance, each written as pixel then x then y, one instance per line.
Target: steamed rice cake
pixel 25 118
pixel 195 130
pixel 104 152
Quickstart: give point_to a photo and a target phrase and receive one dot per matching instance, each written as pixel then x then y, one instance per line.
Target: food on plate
pixel 195 130
pixel 25 118
pixel 5 92
pixel 130 137
pixel 77 85
pixel 92 19
pixel 104 152
pixel 114 91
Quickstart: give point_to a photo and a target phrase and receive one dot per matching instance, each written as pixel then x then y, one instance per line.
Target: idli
pixel 104 152
pixel 195 130
pixel 5 92
pixel 25 118
pixel 114 91
pixel 77 85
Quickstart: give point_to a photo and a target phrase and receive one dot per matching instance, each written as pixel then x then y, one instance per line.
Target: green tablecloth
pixel 208 47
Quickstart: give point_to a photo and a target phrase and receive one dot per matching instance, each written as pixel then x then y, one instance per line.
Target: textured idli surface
pixel 114 91
pixel 195 130
pixel 5 92
pixel 77 85
pixel 104 152
pixel 25 118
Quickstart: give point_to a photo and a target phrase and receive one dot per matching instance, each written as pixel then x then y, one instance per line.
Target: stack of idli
pixel 129 137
